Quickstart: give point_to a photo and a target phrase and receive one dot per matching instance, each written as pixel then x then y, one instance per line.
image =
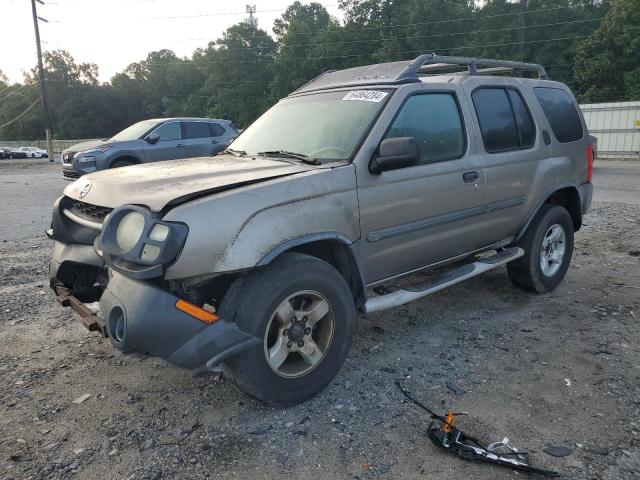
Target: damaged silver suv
pixel 258 259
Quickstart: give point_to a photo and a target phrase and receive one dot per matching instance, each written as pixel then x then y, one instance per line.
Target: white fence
pixel 617 128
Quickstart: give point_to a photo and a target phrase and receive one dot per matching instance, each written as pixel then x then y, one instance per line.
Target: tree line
pixel 592 45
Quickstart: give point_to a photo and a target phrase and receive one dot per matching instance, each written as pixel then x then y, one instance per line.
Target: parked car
pixel 10 152
pixel 5 152
pixel 149 141
pixel 34 152
pixel 259 258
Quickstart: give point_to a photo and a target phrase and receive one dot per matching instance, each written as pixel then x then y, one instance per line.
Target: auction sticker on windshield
pixel 365 96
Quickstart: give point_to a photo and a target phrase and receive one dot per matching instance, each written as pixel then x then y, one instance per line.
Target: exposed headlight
pixel 129 230
pixel 138 243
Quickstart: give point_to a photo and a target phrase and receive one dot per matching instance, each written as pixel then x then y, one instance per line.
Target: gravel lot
pixel 556 370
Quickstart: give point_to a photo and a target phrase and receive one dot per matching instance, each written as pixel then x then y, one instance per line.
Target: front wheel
pixel 548 246
pixel 303 311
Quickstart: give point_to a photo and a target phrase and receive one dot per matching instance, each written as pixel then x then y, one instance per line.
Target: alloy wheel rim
pixel 552 251
pixel 299 334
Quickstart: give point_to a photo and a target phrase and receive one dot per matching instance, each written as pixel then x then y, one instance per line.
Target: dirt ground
pixel 555 370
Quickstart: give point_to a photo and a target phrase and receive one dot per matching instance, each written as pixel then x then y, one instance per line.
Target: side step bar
pixel 457 275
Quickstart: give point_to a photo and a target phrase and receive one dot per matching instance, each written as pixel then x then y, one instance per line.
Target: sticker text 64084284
pixel 365 95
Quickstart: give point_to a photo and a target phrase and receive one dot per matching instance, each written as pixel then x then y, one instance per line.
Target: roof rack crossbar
pixel 431 62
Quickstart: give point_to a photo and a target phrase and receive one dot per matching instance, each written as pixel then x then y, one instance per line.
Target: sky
pixel 115 33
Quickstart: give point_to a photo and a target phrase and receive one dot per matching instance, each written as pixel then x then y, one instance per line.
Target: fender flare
pixel 541 202
pixel 120 156
pixel 297 241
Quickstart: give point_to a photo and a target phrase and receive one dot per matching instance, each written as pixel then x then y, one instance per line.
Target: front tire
pixel 121 163
pixel 548 246
pixel 303 310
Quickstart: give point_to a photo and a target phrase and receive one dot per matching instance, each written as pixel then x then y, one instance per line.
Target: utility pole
pixel 523 28
pixel 43 88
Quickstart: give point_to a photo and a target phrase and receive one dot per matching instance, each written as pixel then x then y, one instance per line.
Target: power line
pixel 18 89
pixel 422 50
pixel 415 37
pixel 20 116
pixel 204 15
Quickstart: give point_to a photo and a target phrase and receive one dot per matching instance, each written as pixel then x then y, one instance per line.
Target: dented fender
pixel 239 229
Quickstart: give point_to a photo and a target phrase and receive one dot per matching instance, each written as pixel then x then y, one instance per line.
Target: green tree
pixel 299 32
pixel 607 66
pixel 238 68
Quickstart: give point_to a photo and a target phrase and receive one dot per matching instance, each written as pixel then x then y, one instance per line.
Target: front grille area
pixel 86 211
pixel 70 174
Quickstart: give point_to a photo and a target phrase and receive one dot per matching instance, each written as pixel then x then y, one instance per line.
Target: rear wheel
pixel 548 246
pixel 303 311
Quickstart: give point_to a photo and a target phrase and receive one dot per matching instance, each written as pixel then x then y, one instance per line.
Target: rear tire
pixel 303 310
pixel 548 247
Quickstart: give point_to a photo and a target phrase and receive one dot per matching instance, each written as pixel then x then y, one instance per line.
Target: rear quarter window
pixel 217 130
pixel 561 112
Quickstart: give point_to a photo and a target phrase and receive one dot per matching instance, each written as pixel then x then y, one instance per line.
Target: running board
pixel 457 275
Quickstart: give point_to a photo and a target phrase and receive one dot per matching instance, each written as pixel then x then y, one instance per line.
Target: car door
pixel 197 139
pixel 221 137
pixel 424 214
pixel 169 145
pixel 514 151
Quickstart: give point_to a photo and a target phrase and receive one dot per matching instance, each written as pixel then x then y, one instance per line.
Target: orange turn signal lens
pixel 196 312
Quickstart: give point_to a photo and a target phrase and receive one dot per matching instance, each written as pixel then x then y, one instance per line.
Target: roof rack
pixel 430 62
pixel 408 72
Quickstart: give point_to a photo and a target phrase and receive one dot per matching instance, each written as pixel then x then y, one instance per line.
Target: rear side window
pixel 433 120
pixel 195 130
pixel 505 122
pixel 168 131
pixel 561 113
pixel 526 130
pixel 216 129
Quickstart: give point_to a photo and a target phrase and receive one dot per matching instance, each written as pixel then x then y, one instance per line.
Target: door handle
pixel 180 145
pixel 470 177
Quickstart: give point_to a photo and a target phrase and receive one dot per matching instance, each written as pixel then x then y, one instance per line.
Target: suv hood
pixel 157 184
pixel 88 145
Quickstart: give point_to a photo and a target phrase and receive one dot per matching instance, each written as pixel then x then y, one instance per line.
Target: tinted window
pixel 168 131
pixel 561 113
pixel 216 130
pixel 526 130
pixel 195 130
pixel 497 124
pixel 434 121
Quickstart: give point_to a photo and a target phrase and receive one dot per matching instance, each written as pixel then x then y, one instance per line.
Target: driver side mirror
pixel 395 153
pixel 152 138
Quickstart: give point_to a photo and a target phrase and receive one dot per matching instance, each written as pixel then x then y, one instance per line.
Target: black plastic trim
pixel 389 232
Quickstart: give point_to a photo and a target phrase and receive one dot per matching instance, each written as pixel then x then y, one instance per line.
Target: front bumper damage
pixel 141 316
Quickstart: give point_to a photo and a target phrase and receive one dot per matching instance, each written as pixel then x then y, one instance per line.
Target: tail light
pixel 589 162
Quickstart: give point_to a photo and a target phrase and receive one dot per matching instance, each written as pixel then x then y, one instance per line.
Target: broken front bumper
pixel 141 316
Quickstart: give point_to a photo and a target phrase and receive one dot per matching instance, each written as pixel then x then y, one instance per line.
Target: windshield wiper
pixel 284 153
pixel 237 153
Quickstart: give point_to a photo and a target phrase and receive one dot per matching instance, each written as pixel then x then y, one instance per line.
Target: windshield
pixel 134 132
pixel 321 125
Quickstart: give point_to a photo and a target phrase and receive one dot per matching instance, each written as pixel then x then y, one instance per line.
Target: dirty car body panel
pixel 162 246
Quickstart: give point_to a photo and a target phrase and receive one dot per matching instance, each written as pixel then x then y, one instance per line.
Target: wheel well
pixel 334 252
pixel 342 259
pixel 569 198
pixel 124 158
